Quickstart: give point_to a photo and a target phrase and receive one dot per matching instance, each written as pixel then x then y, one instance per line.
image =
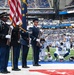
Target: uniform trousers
pixel 4 56
pixel 36 51
pixel 16 53
pixel 25 50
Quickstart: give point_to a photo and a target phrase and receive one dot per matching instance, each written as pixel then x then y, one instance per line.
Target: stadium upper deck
pixel 31 3
pixel 40 4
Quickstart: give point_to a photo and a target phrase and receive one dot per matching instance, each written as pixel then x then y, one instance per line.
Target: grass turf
pixel 52 50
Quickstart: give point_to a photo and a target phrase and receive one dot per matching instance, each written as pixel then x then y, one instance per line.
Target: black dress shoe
pixel 7 71
pixel 16 69
pixel 36 65
pixel 25 67
pixel 4 72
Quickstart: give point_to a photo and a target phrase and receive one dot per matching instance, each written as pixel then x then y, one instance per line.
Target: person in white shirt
pixel 42 50
pixel 67 40
pixel 61 51
pixel 45 45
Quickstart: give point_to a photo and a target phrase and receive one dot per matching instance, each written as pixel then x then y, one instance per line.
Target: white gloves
pixel 8 36
pixel 18 23
pixel 11 27
pixel 38 40
pixel 9 23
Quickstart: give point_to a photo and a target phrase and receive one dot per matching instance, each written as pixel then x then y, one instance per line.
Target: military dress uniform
pixel 4 48
pixel 15 45
pixel 25 48
pixel 36 49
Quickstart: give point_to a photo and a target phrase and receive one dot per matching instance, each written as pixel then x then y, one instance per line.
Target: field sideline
pixel 44 69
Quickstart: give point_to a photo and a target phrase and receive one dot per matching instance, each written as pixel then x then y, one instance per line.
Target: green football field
pixel 52 50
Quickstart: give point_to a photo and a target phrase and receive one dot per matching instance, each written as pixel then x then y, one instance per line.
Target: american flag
pixel 15 11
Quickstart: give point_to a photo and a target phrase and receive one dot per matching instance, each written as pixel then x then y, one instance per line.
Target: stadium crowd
pixel 69 20
pixel 31 3
pixel 38 4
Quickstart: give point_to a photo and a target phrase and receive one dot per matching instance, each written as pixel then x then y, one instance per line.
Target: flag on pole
pixel 24 12
pixel 15 11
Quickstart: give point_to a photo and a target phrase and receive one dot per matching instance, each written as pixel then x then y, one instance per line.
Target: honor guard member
pixel 15 45
pixel 25 48
pixel 4 48
pixel 35 41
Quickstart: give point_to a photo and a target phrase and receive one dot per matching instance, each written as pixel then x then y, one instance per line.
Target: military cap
pixel 3 14
pixel 36 19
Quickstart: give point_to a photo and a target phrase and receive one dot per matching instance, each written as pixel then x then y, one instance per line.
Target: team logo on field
pixel 52 72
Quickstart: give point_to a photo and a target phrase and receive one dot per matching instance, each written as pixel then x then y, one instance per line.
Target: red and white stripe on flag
pixel 15 11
